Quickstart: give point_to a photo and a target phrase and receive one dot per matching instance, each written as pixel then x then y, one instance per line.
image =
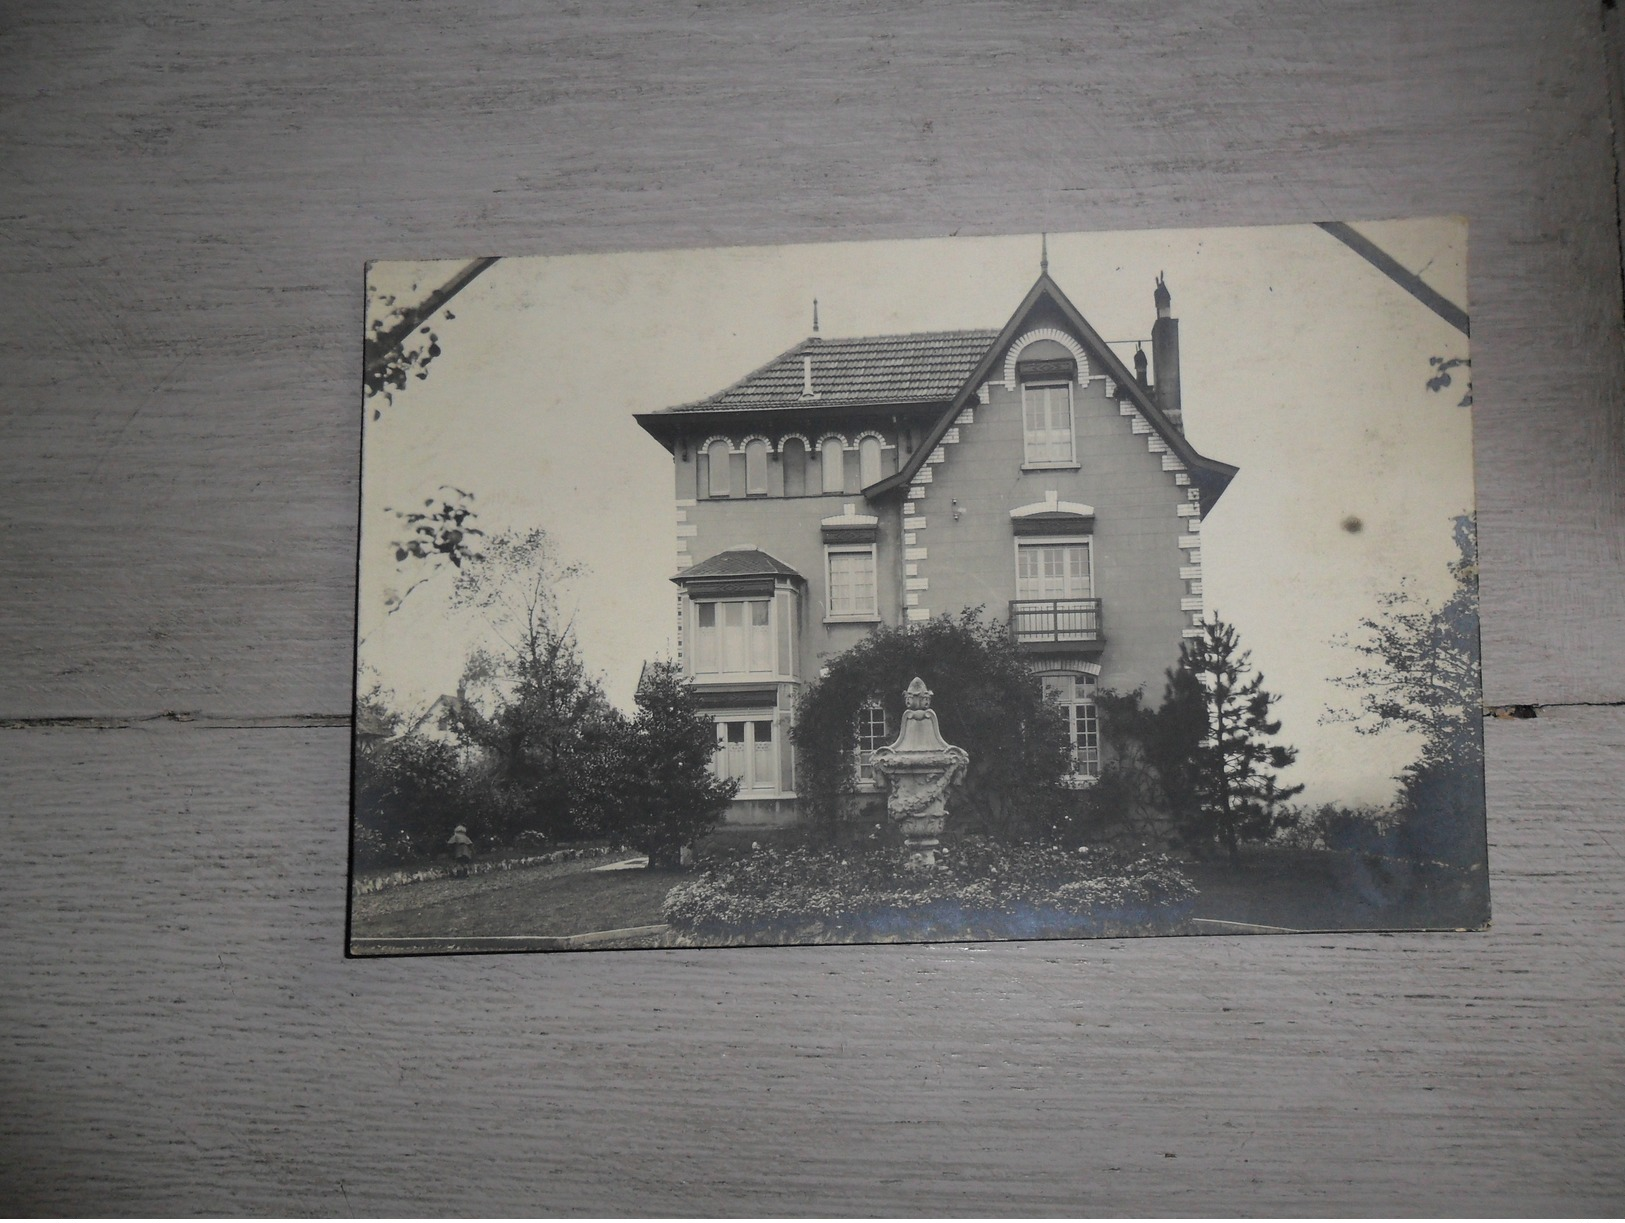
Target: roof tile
pixel 738 563
pixel 921 368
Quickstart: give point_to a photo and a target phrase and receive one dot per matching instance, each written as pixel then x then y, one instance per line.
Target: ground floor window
pixel 1076 696
pixel 748 752
pixel 872 733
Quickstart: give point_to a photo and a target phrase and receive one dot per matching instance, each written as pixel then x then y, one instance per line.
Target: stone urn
pixel 919 768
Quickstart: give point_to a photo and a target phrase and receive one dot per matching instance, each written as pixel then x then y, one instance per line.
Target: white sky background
pixel 1300 363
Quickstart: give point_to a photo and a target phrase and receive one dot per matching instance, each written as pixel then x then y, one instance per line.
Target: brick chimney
pixel 1165 356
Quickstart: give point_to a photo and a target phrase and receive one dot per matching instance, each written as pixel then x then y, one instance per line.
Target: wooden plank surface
pixel 190 191
pixel 182 1034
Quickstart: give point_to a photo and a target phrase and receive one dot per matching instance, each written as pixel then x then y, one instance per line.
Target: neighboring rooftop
pixel 738 563
pixel 923 368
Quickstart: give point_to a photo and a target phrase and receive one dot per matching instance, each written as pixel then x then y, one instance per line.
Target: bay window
pixel 733 637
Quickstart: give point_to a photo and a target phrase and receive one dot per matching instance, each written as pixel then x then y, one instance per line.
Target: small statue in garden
pixel 462 852
pixel 919 768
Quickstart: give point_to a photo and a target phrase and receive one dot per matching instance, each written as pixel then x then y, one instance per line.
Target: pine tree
pixel 666 795
pixel 1231 794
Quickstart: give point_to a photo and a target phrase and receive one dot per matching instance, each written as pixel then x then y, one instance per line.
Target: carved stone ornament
pixel 920 767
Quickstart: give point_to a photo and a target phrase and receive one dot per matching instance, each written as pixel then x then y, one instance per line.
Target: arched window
pixel 868 461
pixel 832 458
pixel 793 459
pixel 1076 696
pixel 756 467
pixel 717 459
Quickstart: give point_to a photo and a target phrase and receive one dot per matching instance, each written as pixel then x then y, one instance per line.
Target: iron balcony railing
pixel 1040 622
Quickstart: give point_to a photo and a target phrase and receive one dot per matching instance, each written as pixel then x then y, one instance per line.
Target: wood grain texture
pixel 181 1033
pixel 190 192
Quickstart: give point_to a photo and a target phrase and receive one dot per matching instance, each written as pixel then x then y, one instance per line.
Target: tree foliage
pixel 398 350
pixel 666 795
pixel 1225 790
pixel 541 722
pixel 987 701
pixel 1422 675
pixel 1150 756
pixel 1442 377
pixel 441 533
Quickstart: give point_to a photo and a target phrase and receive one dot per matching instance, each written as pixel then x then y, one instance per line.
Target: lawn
pixel 1322 890
pixel 549 901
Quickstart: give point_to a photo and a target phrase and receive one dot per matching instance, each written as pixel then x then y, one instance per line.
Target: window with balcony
pixel 733 637
pixel 851 582
pixel 1047 423
pixel 1054 593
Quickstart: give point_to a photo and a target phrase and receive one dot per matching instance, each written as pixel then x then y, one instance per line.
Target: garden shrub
pixel 982 890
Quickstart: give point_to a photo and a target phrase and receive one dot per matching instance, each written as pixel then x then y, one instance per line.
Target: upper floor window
pixel 868 461
pixel 756 467
pixel 733 637
pixel 1047 423
pixel 832 458
pixel 1053 570
pixel 852 591
pixel 793 460
pixel 717 462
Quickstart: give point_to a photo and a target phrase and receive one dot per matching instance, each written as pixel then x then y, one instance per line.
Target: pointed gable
pixel 1047 311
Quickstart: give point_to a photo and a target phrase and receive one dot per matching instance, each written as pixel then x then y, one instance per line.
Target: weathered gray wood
pixel 181 1033
pixel 189 193
pixel 191 190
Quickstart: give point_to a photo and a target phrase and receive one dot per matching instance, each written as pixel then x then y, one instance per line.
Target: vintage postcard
pixel 1040 586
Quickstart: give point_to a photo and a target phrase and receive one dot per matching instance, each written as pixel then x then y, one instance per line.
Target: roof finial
pixel 815 316
pixel 1043 254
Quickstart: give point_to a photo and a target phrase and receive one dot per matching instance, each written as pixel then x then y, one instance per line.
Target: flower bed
pixel 981 891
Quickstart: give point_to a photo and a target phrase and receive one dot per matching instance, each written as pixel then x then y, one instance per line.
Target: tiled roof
pixel 921 368
pixel 738 563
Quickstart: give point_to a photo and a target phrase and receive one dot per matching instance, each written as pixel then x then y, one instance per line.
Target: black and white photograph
pixel 1041 586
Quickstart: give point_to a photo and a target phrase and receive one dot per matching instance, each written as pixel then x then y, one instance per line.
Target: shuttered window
pixel 1047 418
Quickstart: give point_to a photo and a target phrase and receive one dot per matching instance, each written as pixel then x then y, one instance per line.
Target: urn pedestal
pixel 919 768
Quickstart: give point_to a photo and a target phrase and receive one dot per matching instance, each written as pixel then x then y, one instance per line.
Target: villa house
pixel 885 479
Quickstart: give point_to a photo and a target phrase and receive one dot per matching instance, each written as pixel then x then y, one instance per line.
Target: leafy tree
pixel 1423 676
pixel 541 721
pixel 1150 761
pixel 441 533
pixel 987 702
pixel 409 795
pixel 1225 791
pixel 400 343
pixel 666 795
pixel 1442 377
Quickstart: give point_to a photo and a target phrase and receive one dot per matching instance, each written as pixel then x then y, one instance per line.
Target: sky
pixel 1300 363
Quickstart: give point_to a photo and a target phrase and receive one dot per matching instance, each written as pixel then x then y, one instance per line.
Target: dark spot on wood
pixel 1352 525
pixel 1513 711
